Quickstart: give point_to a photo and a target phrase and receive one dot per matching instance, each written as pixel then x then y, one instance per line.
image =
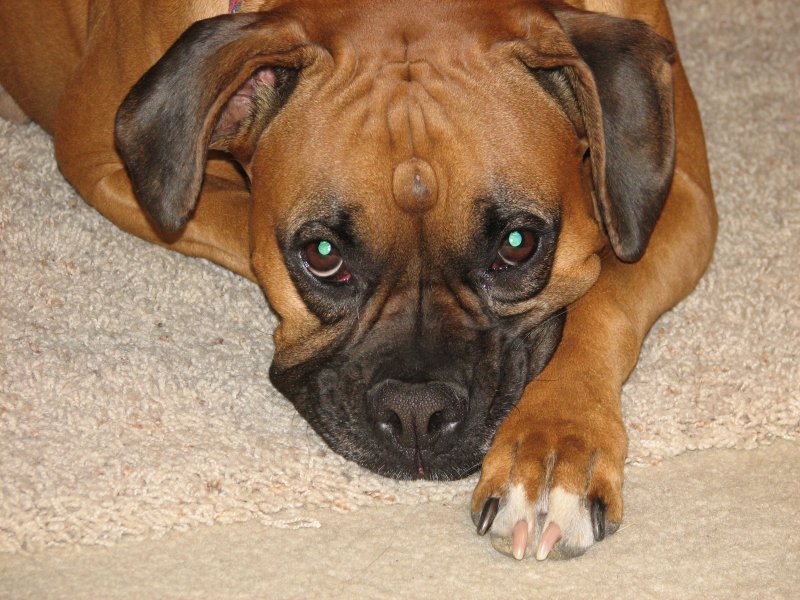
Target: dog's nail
pixel 488 514
pixel 519 540
pixel 598 519
pixel 550 537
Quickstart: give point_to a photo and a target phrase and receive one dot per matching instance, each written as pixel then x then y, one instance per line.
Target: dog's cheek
pixel 577 264
pixel 266 258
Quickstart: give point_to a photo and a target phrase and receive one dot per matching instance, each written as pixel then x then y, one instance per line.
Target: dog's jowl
pixel 466 214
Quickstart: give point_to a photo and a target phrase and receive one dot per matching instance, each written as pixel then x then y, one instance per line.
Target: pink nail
pixel 519 539
pixel 550 537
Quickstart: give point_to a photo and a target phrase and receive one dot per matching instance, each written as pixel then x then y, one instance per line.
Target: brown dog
pixel 456 208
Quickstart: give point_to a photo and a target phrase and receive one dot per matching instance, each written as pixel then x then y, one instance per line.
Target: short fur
pixel 248 139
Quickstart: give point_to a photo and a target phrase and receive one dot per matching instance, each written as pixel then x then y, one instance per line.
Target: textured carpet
pixel 696 527
pixel 134 397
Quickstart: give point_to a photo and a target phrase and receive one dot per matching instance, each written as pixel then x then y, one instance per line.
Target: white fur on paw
pixel 517 507
pixel 567 510
pixel 571 513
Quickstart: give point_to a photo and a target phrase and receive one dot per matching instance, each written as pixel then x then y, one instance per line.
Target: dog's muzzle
pixel 426 410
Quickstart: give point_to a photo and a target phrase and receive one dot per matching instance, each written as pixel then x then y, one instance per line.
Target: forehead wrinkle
pixel 404 106
pixel 398 122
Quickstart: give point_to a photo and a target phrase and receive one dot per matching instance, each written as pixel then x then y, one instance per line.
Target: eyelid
pixel 325 274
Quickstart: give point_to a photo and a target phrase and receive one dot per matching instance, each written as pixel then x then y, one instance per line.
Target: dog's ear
pixel 217 87
pixel 616 86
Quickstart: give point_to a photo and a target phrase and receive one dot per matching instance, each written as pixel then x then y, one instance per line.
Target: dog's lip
pixel 421 466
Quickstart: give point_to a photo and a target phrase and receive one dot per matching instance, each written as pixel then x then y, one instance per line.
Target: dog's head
pixel 432 184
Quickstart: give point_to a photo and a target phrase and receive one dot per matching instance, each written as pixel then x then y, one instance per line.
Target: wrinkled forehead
pixel 421 23
pixel 418 124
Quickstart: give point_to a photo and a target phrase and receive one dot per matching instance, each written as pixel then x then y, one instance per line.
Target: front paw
pixel 551 489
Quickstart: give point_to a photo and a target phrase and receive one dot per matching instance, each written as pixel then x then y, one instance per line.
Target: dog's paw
pixel 551 491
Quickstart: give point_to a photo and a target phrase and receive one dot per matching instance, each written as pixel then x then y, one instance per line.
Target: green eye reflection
pixel 324 261
pixel 518 246
pixel 515 239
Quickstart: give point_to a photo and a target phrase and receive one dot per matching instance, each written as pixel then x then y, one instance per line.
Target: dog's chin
pixel 427 468
pixel 411 464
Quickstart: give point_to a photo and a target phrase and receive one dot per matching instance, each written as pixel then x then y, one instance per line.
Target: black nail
pixel 488 514
pixel 598 519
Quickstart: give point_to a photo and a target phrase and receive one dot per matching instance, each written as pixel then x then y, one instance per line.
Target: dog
pixel 466 214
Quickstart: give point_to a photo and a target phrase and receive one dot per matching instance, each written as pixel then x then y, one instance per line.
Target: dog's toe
pixel 557 525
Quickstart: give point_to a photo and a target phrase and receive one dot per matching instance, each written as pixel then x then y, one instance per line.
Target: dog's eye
pixel 325 262
pixel 518 246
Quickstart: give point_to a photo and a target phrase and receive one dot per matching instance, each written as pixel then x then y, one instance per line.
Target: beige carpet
pixel 697 527
pixel 134 397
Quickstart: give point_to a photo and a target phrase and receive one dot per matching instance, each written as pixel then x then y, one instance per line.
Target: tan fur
pixel 85 56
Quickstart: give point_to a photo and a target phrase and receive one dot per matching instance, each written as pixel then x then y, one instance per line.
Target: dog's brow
pixel 341 221
pixel 503 203
pixel 324 208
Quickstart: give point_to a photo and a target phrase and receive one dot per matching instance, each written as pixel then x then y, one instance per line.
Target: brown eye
pixel 324 261
pixel 518 246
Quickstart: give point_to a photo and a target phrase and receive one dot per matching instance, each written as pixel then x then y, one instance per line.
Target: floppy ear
pixel 217 87
pixel 616 86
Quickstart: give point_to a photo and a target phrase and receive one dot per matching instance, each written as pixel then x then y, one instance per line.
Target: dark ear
pixel 622 101
pixel 217 87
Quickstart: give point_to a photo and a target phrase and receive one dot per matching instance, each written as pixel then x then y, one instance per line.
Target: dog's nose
pixel 417 415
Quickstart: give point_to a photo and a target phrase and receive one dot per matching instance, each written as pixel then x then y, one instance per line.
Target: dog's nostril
pixel 391 425
pixel 435 423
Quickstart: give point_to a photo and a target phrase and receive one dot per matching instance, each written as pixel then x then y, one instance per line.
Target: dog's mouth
pixel 410 430
pixel 402 430
pixel 436 424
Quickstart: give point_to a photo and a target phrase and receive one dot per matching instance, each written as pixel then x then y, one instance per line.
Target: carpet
pixel 134 397
pixel 696 528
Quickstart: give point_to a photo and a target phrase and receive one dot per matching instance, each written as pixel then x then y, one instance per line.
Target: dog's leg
pixel 556 464
pixel 9 110
pixel 84 138
pixel 559 456
pixel 218 231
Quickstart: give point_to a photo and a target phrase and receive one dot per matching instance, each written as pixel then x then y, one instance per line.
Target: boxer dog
pixel 466 214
